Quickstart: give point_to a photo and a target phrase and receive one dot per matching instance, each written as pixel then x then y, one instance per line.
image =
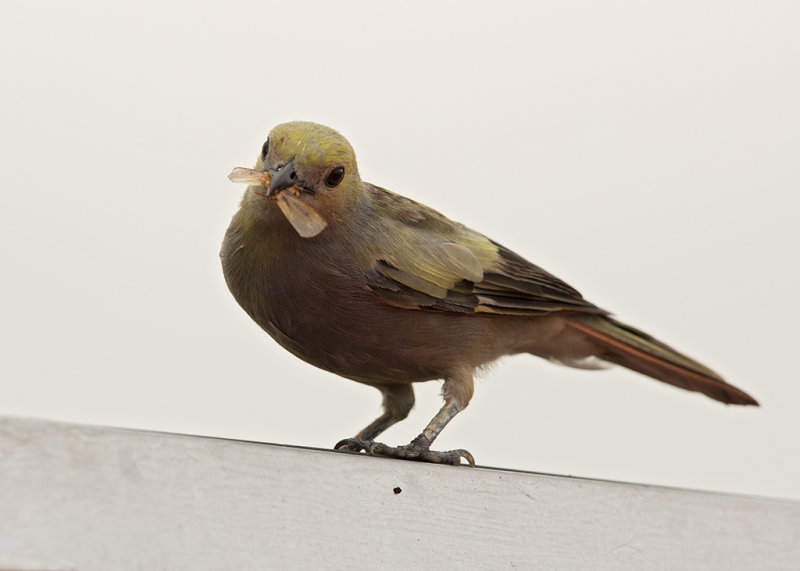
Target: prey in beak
pixel 283 189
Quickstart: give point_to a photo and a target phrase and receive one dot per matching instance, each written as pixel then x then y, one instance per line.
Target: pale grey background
pixel 647 154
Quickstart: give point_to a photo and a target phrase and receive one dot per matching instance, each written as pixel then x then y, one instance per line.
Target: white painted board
pixel 94 498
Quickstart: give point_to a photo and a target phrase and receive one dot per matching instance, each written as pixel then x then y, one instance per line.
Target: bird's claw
pixel 411 451
pixel 355 445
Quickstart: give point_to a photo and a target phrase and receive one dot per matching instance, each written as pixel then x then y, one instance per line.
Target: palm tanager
pixel 385 291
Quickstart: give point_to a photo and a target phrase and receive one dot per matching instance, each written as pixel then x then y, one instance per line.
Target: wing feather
pixel 437 264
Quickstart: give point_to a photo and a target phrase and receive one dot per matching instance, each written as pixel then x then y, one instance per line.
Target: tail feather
pixel 624 345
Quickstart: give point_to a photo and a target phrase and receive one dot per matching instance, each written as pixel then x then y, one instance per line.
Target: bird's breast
pixel 309 295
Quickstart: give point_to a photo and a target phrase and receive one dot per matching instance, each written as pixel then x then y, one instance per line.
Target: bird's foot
pixel 418 449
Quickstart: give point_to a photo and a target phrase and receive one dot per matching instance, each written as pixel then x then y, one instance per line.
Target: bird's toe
pixel 354 445
pixel 412 451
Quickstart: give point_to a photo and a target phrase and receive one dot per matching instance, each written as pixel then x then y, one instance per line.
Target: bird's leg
pixel 398 400
pixel 457 392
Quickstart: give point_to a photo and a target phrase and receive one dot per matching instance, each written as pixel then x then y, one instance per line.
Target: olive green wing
pixel 431 262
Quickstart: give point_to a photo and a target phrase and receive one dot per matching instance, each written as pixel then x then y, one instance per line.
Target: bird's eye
pixel 334 177
pixel 265 149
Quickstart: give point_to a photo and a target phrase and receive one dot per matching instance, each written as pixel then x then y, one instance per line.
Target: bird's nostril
pixel 292 175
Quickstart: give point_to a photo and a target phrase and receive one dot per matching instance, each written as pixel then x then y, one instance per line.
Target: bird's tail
pixel 623 345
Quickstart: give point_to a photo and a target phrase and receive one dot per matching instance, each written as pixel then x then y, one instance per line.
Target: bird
pixel 380 289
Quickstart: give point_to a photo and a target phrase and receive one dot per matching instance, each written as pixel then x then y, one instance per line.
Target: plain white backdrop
pixel 647 153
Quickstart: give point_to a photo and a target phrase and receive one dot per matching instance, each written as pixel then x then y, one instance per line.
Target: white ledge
pixel 94 498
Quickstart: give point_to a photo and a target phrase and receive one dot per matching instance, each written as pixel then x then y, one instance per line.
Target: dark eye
pixel 334 177
pixel 265 149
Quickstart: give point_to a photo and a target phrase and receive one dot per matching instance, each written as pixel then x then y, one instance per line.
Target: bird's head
pixel 310 173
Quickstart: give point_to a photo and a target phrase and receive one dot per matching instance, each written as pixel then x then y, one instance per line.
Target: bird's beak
pixel 283 179
pixel 305 219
